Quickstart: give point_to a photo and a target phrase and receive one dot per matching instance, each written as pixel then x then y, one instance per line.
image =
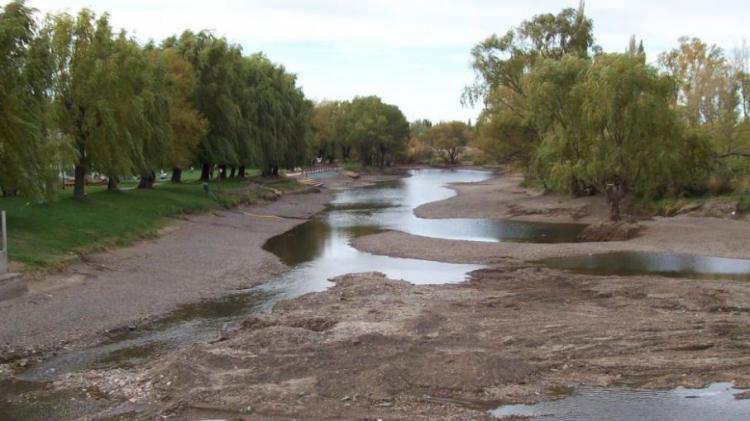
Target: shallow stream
pixel 715 402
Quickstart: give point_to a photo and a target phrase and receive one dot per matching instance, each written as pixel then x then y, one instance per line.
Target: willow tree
pixel 29 149
pixel 449 139
pixel 93 104
pixel 282 124
pixel 214 62
pixel 378 131
pixel 501 64
pixel 186 125
pixel 609 124
pixel 327 125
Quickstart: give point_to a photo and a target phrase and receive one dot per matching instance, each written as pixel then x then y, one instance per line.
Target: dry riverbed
pixel 195 258
pixel 375 348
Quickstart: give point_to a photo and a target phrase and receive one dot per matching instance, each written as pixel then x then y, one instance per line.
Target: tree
pixel 620 133
pixel 328 121
pixel 29 149
pixel 501 64
pixel 378 131
pixel 449 138
pixel 96 95
pixel 418 127
pixel 706 90
pixel 186 125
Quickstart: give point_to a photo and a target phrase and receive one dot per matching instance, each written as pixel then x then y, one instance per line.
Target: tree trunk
pixel 10 192
pixel 241 172
pixel 222 172
pixel 79 187
pixel 177 175
pixel 112 182
pixel 147 180
pixel 271 170
pixel 232 172
pixel 211 171
pixel 615 194
pixel 206 172
pixel 453 156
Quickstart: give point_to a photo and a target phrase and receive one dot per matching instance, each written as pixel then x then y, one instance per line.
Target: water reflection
pixel 392 207
pixel 716 402
pixel 673 265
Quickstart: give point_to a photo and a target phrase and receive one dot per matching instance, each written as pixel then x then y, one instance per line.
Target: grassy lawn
pixel 46 235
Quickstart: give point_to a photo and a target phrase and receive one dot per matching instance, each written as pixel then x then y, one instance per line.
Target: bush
pixel 719 184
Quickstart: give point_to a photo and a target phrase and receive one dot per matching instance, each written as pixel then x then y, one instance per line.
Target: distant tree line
pixel 365 129
pixel 579 120
pixel 73 91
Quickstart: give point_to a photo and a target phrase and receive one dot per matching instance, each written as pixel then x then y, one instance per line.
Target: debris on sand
pixel 620 231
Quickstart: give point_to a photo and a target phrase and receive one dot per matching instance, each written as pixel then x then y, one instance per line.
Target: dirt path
pixel 374 348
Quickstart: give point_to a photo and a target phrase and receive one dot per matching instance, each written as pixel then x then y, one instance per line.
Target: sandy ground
pixel 374 348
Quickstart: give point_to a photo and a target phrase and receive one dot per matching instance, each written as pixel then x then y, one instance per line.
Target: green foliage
pixel 74 91
pixel 449 139
pixel 579 122
pixel 30 151
pixel 377 132
pixel 256 113
pixel 329 130
pixel 501 64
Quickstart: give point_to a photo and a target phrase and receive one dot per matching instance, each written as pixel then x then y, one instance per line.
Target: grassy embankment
pixel 51 234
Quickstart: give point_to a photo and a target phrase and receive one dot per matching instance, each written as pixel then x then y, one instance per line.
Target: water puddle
pixel 715 402
pixel 665 264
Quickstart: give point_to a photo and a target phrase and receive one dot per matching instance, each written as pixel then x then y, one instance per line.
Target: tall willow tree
pixel 29 149
pixel 328 132
pixel 608 123
pixel 449 138
pixel 95 95
pixel 377 131
pixel 214 61
pixel 501 64
pixel 186 125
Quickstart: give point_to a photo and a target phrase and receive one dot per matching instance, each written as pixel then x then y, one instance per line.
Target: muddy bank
pixel 503 197
pixel 377 348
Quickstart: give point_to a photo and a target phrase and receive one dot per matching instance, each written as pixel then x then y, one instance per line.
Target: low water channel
pixel 316 251
pixel 715 402
pixel 664 264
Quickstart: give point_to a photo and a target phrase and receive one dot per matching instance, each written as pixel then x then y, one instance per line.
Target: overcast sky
pixel 413 53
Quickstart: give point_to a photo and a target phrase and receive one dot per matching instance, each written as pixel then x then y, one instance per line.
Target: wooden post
pixel 4 251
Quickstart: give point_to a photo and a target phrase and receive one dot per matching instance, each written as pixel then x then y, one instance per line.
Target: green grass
pixel 744 203
pixel 51 234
